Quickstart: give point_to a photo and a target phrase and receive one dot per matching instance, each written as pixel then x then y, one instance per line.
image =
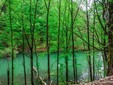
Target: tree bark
pixel 110 39
pixel 88 37
pixel 47 38
pixel 73 51
pixel 58 41
pixel 23 46
pixel 12 48
pixel 8 75
pixel 66 57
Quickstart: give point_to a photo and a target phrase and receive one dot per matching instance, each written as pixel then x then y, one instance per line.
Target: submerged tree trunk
pixel 110 40
pixel 8 77
pixel 8 74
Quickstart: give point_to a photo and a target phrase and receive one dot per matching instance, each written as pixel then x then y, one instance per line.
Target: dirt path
pixel 104 81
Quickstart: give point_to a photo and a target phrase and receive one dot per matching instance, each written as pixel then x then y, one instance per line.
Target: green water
pixel 82 67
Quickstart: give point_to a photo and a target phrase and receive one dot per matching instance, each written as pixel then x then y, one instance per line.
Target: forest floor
pixel 103 81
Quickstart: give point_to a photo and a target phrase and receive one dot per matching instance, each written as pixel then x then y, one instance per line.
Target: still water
pixel 82 67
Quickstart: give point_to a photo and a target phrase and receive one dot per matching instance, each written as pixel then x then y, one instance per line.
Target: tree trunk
pixel 12 43
pixel 23 46
pixel 88 37
pixel 47 4
pixel 8 75
pixel 110 40
pixel 58 41
pixel 73 51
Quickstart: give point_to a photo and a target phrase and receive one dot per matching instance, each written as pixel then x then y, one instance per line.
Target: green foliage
pixel 40 29
pixel 7 52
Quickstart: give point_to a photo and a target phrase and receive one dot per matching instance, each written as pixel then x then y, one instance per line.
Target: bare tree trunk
pixel 88 36
pixel 36 59
pixel 105 57
pixel 47 38
pixel 58 43
pixel 32 29
pixel 110 40
pixel 73 55
pixel 34 26
pixel 10 21
pixel 66 58
pixel 31 46
pixel 23 43
pixel 8 74
pixel 8 77
pixel 105 8
pixel 25 78
pixel 93 46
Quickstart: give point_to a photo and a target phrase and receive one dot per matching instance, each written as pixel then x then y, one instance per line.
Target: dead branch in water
pixel 39 77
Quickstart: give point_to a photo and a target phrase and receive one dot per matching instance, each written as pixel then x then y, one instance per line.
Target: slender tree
pixel 58 48
pixel 32 29
pixel 37 60
pixel 104 53
pixel 93 45
pixel 32 41
pixel 34 26
pixel 8 74
pixel 73 55
pixel 47 38
pixel 8 77
pixel 88 37
pixel 23 45
pixel 66 26
pixel 12 44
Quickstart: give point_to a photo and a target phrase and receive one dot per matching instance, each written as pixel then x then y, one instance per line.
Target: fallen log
pixel 39 78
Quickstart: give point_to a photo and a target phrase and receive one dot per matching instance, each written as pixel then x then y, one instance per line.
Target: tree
pixel 12 44
pixel 110 39
pixel 47 4
pixel 23 45
pixel 88 38
pixel 58 40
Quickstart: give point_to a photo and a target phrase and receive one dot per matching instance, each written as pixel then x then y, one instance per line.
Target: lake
pixel 82 67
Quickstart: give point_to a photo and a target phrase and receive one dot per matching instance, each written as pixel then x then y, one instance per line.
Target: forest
pixel 55 42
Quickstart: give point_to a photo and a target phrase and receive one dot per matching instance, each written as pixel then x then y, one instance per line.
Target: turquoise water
pixel 82 67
